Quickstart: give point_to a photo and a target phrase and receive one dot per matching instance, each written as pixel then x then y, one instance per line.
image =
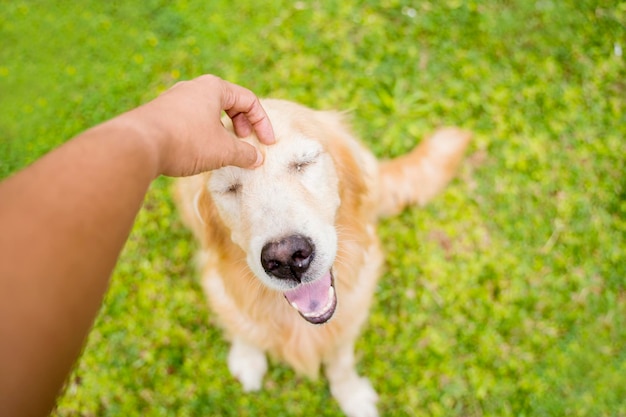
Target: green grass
pixel 504 297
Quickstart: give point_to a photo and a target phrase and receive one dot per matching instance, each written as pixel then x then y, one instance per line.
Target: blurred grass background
pixel 505 297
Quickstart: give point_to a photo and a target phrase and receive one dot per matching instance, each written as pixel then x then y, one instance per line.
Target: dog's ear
pixel 215 232
pixel 351 182
pixel 340 144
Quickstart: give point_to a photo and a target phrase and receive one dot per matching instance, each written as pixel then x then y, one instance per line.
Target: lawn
pixel 504 297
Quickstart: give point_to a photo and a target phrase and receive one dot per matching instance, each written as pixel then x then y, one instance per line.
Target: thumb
pixel 245 155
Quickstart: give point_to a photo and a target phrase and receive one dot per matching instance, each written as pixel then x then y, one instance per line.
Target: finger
pixel 238 101
pixel 242 125
pixel 244 155
pixel 247 156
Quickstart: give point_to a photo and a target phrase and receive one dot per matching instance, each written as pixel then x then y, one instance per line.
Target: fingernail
pixel 259 159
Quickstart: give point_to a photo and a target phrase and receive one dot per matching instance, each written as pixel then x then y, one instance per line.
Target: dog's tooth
pixel 294 305
pixel 331 299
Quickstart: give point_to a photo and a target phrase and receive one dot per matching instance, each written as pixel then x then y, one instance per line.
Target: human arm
pixel 65 218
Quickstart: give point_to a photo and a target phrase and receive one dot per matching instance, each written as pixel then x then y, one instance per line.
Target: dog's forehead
pixel 290 147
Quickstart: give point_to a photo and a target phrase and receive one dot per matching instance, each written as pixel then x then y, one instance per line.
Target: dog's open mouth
pixel 315 301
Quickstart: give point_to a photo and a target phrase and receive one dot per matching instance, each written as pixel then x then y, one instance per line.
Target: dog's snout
pixel 288 258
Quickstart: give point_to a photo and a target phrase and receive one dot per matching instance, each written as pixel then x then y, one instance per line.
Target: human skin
pixel 65 218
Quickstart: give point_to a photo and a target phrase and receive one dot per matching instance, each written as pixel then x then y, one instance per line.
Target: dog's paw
pixel 248 364
pixel 356 398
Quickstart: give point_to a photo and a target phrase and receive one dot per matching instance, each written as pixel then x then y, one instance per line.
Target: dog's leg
pixel 248 364
pixel 355 394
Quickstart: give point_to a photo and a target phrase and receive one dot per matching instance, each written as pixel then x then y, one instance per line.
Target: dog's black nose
pixel 288 258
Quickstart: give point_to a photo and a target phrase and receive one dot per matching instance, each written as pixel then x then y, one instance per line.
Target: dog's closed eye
pixel 233 188
pixel 300 164
pixel 225 181
pixel 226 188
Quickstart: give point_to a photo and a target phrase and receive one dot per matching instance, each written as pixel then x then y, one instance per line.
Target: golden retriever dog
pixel 289 256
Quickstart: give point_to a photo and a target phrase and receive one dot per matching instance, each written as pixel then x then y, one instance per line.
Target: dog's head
pixel 283 213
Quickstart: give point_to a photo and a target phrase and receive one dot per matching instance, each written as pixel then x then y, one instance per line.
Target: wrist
pixel 136 128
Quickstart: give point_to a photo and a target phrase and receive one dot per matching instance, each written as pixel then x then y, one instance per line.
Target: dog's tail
pixel 415 178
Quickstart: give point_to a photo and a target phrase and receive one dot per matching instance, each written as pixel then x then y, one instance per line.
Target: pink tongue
pixel 310 296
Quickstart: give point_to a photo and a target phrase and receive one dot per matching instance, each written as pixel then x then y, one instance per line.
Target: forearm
pixel 79 203
pixel 64 220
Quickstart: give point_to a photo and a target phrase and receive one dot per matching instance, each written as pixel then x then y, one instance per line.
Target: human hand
pixel 187 133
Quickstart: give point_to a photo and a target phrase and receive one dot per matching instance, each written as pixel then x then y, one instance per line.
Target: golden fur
pixel 257 318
